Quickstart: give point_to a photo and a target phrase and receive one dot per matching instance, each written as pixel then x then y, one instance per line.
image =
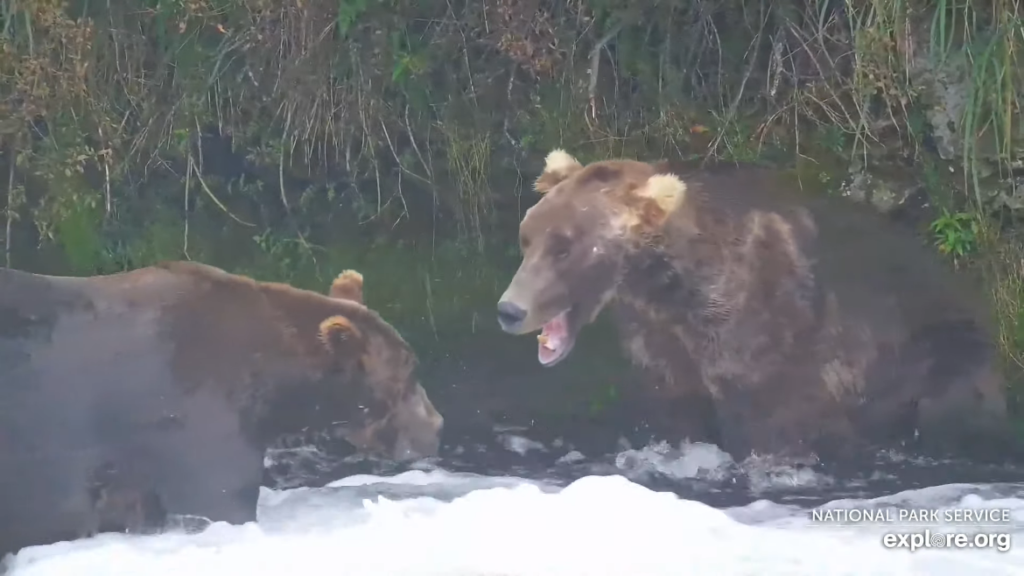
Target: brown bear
pixel 802 324
pixel 182 374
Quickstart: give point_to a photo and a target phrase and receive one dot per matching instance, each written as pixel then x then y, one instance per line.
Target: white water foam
pixel 441 523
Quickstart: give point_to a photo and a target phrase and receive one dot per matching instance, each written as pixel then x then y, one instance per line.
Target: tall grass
pixel 319 87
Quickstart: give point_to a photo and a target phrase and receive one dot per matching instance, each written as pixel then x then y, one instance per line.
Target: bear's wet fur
pixel 801 325
pixel 130 397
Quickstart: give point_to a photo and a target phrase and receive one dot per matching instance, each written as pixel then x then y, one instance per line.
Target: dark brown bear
pixel 802 324
pixel 182 374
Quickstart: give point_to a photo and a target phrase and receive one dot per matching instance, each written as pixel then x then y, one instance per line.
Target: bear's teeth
pixel 543 339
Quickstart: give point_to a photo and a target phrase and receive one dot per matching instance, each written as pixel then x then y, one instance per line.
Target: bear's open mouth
pixel 555 340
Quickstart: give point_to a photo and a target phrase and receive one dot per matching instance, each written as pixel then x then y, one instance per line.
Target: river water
pixel 513 501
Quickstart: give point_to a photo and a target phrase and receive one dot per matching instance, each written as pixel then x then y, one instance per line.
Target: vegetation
pixel 292 138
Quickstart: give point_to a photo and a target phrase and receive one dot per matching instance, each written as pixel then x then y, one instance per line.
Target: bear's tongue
pixel 552 340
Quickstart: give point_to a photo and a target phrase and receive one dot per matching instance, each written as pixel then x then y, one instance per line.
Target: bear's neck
pixel 289 404
pixel 668 279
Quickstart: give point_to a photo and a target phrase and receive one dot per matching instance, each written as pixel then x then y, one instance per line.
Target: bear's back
pixel 860 255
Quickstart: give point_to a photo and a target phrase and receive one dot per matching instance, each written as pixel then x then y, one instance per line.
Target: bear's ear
pixel 558 166
pixel 658 197
pixel 342 340
pixel 348 286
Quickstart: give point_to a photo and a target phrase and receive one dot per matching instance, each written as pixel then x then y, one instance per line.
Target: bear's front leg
pixel 670 411
pixel 205 468
pixel 786 421
pixel 224 491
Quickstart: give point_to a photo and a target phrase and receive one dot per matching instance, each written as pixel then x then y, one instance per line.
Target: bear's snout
pixel 510 316
pixel 418 425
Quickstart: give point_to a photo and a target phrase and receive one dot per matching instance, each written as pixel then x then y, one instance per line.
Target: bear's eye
pixel 560 246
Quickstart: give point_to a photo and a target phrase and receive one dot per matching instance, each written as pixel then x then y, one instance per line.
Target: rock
pixel 884 187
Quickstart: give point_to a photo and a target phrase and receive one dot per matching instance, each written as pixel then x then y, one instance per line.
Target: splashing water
pixel 580 516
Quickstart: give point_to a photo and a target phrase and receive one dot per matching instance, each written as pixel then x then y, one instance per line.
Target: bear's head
pixel 365 383
pixel 575 242
pixel 371 371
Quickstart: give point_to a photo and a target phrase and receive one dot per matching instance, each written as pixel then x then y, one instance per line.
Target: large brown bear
pixel 159 389
pixel 800 324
